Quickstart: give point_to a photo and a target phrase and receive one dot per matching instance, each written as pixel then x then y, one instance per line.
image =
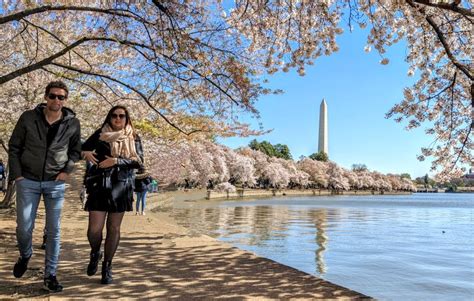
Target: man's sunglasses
pixel 53 96
pixel 121 116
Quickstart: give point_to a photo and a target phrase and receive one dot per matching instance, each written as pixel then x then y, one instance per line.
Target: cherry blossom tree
pixel 439 36
pixel 382 182
pixel 276 175
pixel 192 163
pixel 316 170
pixel 260 162
pixel 337 180
pixel 408 185
pixel 297 177
pixel 365 180
pixel 221 169
pixel 197 65
pixel 354 181
pixel 225 187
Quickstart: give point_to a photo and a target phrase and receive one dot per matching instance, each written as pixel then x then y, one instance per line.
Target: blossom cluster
pixel 209 165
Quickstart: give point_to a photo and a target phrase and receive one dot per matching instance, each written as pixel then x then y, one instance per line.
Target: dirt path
pixel 156 259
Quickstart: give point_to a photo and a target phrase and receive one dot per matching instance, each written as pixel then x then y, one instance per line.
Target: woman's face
pixel 118 119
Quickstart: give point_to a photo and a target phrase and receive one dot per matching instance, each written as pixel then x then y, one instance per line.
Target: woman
pixel 115 152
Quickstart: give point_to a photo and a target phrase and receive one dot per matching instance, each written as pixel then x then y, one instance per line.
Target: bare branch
pixel 5 147
pixel 97 92
pixel 42 63
pixel 452 7
pixel 37 10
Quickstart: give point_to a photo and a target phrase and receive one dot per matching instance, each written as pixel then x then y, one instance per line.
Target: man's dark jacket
pixel 29 155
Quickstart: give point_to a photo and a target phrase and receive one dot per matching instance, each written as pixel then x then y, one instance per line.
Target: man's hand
pixel 90 156
pixel 109 162
pixel 18 179
pixel 62 176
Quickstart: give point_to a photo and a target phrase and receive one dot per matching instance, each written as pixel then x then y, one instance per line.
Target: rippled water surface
pixel 413 247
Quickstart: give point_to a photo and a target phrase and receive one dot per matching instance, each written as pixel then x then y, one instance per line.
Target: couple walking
pixel 43 148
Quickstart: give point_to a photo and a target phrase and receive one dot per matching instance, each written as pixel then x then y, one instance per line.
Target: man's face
pixel 55 99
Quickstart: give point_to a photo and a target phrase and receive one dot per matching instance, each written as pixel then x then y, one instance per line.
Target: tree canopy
pixel 197 67
pixel 319 156
pixel 277 150
pixel 359 167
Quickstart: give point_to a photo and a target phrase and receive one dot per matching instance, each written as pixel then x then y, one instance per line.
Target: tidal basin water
pixel 410 247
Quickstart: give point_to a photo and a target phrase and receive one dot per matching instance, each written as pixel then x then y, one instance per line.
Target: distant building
pixel 323 128
pixel 469 175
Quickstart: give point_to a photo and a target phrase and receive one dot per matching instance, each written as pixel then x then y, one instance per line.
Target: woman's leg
pixel 114 221
pixel 94 230
pixel 94 234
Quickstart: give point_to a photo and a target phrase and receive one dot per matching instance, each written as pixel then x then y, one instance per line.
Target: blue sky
pixel 358 91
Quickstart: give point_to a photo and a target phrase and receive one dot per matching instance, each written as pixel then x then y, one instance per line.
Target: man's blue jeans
pixel 28 194
pixel 141 198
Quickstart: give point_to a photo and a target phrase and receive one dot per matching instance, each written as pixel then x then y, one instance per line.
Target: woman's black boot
pixel 93 263
pixel 106 272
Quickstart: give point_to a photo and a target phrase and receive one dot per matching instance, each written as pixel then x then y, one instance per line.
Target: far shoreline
pixel 252 193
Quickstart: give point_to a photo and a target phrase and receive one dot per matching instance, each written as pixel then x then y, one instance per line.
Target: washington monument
pixel 323 128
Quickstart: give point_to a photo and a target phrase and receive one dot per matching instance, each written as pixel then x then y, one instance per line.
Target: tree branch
pixel 41 9
pixel 143 96
pixel 4 145
pixel 56 38
pixel 452 7
pixel 42 63
pixel 80 82
pixel 442 39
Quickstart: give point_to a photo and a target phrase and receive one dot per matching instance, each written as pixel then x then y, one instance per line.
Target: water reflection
pixel 260 225
pixel 319 218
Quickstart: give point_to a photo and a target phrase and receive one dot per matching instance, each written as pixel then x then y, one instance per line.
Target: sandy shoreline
pixel 156 258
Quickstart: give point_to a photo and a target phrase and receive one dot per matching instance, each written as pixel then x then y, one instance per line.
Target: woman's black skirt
pixel 109 192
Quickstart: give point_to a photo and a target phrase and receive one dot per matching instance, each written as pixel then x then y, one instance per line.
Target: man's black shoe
pixel 52 285
pixel 20 267
pixel 43 245
pixel 93 263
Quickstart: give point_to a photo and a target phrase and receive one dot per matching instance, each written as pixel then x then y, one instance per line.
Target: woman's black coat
pixel 110 189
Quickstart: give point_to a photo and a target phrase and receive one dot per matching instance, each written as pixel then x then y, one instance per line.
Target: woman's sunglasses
pixel 53 96
pixel 115 116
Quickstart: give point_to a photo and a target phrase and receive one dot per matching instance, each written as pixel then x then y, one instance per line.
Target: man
pixel 42 150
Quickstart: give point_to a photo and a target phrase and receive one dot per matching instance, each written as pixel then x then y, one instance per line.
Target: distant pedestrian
pixel 154 185
pixel 2 176
pixel 142 184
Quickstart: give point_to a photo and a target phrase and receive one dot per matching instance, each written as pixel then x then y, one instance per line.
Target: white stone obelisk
pixel 323 128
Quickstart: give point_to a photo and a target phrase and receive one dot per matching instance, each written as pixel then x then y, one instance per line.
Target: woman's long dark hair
pixel 108 118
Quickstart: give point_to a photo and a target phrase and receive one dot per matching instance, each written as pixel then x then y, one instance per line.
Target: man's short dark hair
pixel 56 84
